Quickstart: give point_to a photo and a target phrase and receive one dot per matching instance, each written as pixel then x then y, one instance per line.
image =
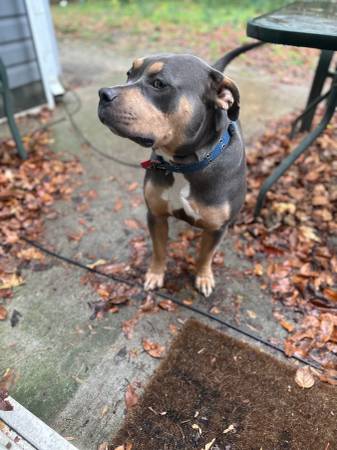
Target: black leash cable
pixel 174 300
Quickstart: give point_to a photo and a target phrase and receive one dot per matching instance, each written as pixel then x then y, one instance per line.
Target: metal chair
pixel 8 109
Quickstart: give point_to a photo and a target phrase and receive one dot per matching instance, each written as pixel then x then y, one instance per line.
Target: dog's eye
pixel 158 84
pixel 128 73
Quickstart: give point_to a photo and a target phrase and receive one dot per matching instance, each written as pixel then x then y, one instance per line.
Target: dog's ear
pixel 225 94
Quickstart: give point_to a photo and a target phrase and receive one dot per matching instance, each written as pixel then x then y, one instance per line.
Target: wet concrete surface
pixel 73 372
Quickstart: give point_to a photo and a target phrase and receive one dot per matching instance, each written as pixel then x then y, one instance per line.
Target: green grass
pixel 204 15
pixel 204 27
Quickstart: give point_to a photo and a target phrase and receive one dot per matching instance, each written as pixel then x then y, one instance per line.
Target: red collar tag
pixel 148 164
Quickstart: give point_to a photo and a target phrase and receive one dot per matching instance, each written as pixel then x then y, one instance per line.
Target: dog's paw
pixel 153 281
pixel 205 283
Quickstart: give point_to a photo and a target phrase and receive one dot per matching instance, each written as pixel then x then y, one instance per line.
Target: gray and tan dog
pixel 186 110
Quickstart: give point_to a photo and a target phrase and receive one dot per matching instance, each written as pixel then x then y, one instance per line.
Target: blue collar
pixel 161 164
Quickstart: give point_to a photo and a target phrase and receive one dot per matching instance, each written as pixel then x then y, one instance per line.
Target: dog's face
pixel 167 101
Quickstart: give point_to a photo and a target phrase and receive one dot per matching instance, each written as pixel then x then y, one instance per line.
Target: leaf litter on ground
pixel 292 246
pixel 295 240
pixel 28 192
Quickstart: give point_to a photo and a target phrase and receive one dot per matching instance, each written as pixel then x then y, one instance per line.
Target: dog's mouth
pixel 119 128
pixel 140 140
pixel 143 141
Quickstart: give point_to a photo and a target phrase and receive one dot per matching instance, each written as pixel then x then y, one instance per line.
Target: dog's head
pixel 169 102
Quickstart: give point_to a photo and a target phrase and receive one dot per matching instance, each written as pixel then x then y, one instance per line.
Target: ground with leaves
pixel 28 191
pixel 102 224
pixel 294 244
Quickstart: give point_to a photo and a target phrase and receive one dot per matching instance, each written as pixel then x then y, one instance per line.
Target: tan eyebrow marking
pixel 155 67
pixel 137 63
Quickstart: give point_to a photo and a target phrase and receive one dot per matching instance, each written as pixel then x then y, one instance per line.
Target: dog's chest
pixel 178 196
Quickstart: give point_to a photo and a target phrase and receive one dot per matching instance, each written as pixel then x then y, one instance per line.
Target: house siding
pixel 18 54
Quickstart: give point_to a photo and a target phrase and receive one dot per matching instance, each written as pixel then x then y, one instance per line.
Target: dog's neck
pixel 197 147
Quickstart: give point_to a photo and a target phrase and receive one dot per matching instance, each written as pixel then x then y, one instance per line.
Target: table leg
pixel 331 105
pixel 317 86
pixel 5 91
pixel 315 96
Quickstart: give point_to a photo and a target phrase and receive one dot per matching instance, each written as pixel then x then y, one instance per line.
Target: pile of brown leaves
pixel 294 244
pixel 28 190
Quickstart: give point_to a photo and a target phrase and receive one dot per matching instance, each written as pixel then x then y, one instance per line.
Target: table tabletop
pixel 304 23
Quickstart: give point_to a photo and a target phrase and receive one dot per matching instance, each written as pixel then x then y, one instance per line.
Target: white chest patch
pixel 177 196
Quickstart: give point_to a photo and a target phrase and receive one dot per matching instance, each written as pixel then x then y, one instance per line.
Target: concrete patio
pixel 72 372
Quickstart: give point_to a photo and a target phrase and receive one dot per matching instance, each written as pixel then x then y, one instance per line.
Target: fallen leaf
pixel 287 325
pixel 153 349
pixel 5 404
pixel 10 281
pixel 283 322
pixel 131 397
pixel 283 207
pixel 132 224
pixel 128 326
pixel 251 314
pixel 309 233
pixel 188 301
pixel 113 268
pixel 99 262
pixel 229 429
pixel 209 445
pixel 304 377
pixel 215 310
pixel 173 328
pixel 118 205
pixel 133 186
pixel 30 254
pixel 3 313
pixel 196 427
pixel 168 305
pixel 101 307
pixel 127 446
pixel 326 328
pixel 258 269
pixel 330 294
pixel 149 305
pixel 320 200
pixel 8 380
pixel 75 236
pixel 104 410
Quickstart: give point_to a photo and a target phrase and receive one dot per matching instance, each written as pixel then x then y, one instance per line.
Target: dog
pixel 187 111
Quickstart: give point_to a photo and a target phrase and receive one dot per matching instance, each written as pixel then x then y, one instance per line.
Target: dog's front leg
pixel 158 227
pixel 204 280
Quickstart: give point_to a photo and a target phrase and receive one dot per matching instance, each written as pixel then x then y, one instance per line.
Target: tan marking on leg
pixel 137 63
pixel 211 217
pixel 153 197
pixel 154 277
pixel 155 67
pixel 204 280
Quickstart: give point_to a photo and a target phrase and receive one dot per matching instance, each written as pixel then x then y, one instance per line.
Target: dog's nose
pixel 107 94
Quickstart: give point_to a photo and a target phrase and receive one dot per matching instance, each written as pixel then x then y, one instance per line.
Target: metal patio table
pixel 302 24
